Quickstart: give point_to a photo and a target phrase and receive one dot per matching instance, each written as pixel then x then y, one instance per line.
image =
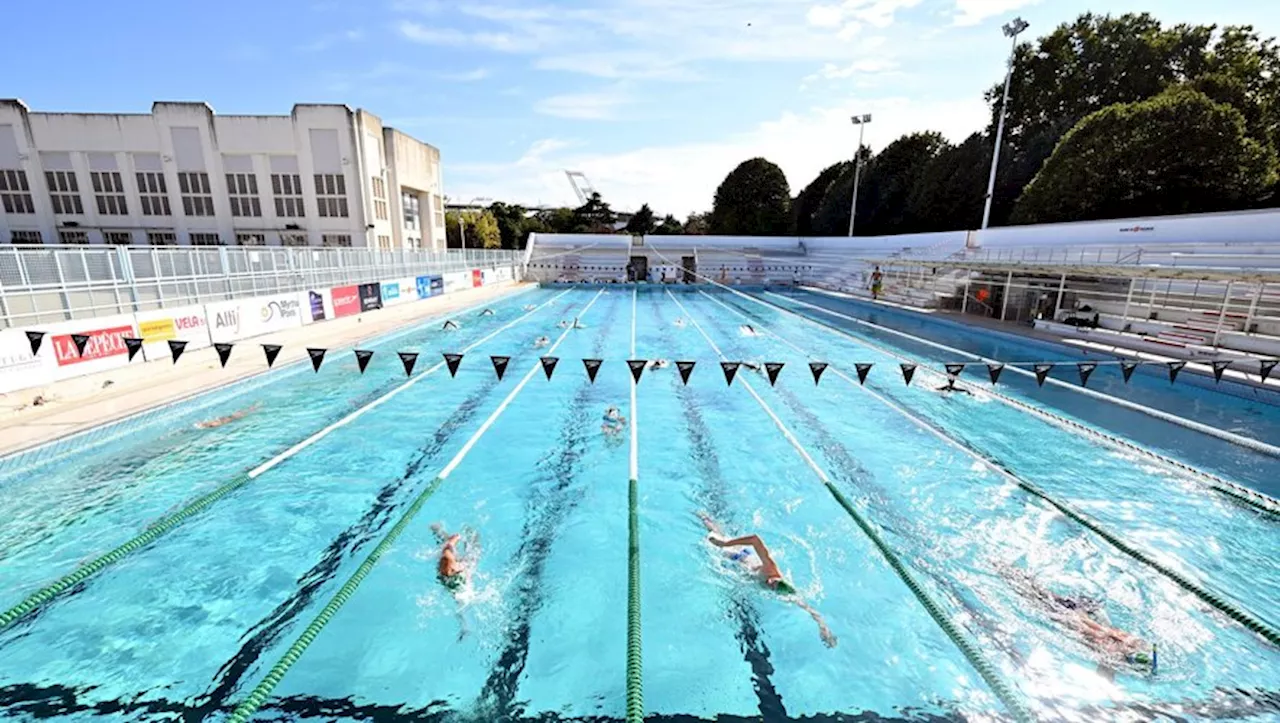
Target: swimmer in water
pixel 748 330
pixel 563 324
pixel 751 552
pixel 612 422
pixel 541 341
pixel 658 364
pixel 679 322
pixel 455 567
pixel 211 423
pixel 577 324
pixel 1087 618
pixel 950 386
pixel 529 307
pixel 450 325
pixel 487 312
pixel 753 366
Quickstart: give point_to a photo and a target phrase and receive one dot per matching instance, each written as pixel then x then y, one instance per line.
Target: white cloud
pixel 682 178
pixel 602 105
pixel 825 16
pixel 503 42
pixel 972 12
pixel 469 76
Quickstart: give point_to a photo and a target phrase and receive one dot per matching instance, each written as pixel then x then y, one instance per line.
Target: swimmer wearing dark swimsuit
pixel 950 386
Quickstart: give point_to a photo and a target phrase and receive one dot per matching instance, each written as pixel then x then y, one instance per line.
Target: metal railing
pixel 45 285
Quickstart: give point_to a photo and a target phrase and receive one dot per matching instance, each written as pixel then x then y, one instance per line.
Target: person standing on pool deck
pixel 877 282
pixel 765 568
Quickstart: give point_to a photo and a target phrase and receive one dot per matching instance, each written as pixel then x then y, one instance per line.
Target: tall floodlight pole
pixel 1011 30
pixel 861 121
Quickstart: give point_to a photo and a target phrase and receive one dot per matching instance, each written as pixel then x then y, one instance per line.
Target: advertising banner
pixel 19 368
pixel 502 273
pixel 346 300
pixel 456 281
pixel 408 289
pixel 370 296
pixel 183 323
pixel 104 349
pixel 437 285
pixel 423 284
pixel 317 305
pixel 231 320
pixel 486 277
pixel 390 293
pixel 477 277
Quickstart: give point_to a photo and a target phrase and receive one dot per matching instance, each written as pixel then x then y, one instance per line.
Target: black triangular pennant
pixel 1219 366
pixel 994 370
pixel 637 368
pixel 1174 368
pixel 1042 372
pixel 592 366
pixel 685 368
pixel 908 371
pixel 317 357
pixel 362 358
pixel 1265 367
pixel 954 370
pixel 224 352
pixel 80 340
pixel 1086 368
pixel 35 339
pixel 175 349
pixel 549 365
pixel 272 351
pixel 133 345
pixel 772 369
pixel 1126 369
pixel 730 369
pixel 408 359
pixel 452 361
pixel 817 368
pixel 500 365
pixel 863 369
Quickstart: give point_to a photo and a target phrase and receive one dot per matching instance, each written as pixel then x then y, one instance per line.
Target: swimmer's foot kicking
pixel 762 566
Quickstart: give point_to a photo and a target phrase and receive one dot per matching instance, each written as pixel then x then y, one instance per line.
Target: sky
pixel 653 100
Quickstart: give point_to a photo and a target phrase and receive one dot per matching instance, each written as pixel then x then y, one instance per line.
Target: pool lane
pixel 63 514
pixel 530 490
pixel 956 521
pixel 189 617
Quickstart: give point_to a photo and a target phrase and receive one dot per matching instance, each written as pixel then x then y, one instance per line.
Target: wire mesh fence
pixel 44 285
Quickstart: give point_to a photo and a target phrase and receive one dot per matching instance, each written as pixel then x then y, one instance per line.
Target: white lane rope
pixel 493 417
pixel 265 466
pixel 1255 445
pixel 635 424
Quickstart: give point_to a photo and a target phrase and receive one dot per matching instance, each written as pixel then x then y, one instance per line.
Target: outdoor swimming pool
pixel 186 623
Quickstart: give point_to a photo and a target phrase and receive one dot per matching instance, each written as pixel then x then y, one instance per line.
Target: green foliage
pixel 886 182
pixel 641 221
pixel 698 224
pixel 1179 152
pixel 949 192
pixel 753 200
pixel 594 216
pixel 805 205
pixel 481 230
pixel 670 226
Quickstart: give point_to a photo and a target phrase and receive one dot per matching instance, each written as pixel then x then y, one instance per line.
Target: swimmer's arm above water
pixel 756 544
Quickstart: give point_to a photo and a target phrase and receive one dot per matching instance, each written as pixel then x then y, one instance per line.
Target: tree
pixel 887 181
pixel 698 224
pixel 753 200
pixel 670 226
pixel 949 193
pixel 481 230
pixel 641 221
pixel 1179 152
pixel 594 216
pixel 805 205
pixel 560 220
pixel 512 224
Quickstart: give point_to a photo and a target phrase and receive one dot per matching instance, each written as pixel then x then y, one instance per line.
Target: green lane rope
pixel 151 534
pixel 971 653
pixel 262 691
pixel 635 687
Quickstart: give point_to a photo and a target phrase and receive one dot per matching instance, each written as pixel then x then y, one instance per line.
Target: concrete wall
pixel 414 167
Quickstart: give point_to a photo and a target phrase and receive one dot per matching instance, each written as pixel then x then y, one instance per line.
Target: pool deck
pixel 72 405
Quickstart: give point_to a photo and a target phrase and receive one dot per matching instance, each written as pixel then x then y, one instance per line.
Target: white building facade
pixel 324 175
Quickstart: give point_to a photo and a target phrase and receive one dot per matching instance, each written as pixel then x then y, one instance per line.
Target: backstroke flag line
pixel 772 369
pixel 35 339
pixel 908 371
pixel 994 370
pixel 175 348
pixel 592 366
pixel 730 369
pixel 817 368
pixel 685 368
pixel 224 352
pixel 500 365
pixel 452 361
pixel 408 359
pixel 549 365
pixel 637 368
pixel 362 358
pixel 1086 368
pixel 1042 372
pixel 317 357
pixel 132 345
pixel 863 369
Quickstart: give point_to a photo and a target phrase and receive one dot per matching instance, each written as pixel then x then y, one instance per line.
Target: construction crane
pixel 582 188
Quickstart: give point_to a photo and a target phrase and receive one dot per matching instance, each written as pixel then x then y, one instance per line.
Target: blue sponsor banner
pixel 390 290
pixel 437 285
pixel 424 287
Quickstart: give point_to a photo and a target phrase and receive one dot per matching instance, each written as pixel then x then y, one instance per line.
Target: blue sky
pixel 655 100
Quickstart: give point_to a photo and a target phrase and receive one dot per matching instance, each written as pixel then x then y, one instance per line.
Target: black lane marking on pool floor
pixel 544 515
pixel 51 701
pixel 754 649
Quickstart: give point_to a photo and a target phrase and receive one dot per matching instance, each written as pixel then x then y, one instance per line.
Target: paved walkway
pixel 71 405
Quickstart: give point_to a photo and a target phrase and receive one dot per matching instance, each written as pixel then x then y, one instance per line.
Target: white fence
pixel 47 285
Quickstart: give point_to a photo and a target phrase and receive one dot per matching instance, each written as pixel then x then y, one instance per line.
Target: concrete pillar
pixel 1004 305
pixel 1062 286
pixel 1222 314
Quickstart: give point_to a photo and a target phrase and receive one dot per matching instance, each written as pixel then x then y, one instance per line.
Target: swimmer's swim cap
pixel 784 587
pixel 1140 658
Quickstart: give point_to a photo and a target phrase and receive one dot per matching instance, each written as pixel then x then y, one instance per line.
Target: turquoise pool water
pixel 184 627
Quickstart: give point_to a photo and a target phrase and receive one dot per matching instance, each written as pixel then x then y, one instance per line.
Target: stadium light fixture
pixel 861 121
pixel 1012 29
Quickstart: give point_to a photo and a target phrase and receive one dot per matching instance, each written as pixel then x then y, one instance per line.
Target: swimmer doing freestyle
pixel 451 325
pixel 762 566
pixel 612 422
pixel 212 423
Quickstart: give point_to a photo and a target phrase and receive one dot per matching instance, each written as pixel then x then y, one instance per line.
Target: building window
pixel 80 238
pixel 64 192
pixel 409 202
pixel 154 194
pixel 205 239
pixel 331 195
pixel 243 188
pixel 439 219
pixel 251 239
pixel 337 239
pixel 196 196
pixel 118 238
pixel 287 189
pixel 15 194
pixel 108 191
pixel 162 238
pixel 384 243
pixel 293 239
pixel 380 199
pixel 26 237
